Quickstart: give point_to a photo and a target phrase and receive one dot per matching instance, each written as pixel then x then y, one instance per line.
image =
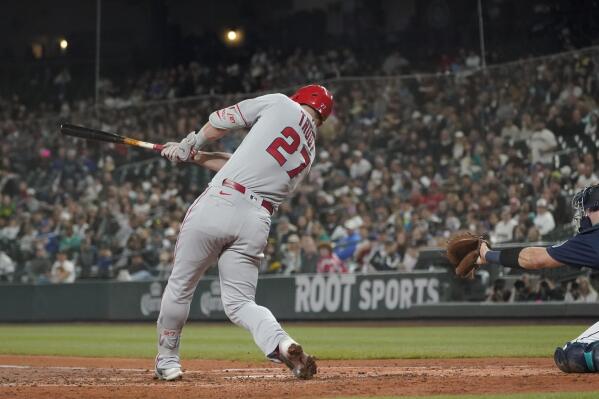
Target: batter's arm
pixel 212 133
pixel 239 116
pixel 211 160
pixel 209 133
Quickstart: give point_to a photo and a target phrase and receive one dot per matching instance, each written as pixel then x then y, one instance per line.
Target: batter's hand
pixel 180 152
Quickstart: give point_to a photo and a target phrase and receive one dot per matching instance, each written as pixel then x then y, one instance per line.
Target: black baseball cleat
pixel 302 365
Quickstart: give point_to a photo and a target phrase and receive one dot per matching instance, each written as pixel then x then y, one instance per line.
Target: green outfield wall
pixel 302 297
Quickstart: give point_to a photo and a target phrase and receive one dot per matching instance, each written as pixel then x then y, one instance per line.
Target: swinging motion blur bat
pixel 99 135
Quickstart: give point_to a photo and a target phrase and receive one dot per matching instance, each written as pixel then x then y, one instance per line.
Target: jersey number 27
pixel 279 143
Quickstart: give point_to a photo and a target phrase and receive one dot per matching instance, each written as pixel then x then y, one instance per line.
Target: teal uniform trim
pixel 588 358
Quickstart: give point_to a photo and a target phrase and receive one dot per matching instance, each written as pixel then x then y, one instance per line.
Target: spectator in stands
pixel 573 292
pixel 359 166
pixel 533 234
pixel 510 131
pixel 141 207
pixel 104 264
pixel 521 292
pixel 525 131
pixel 581 291
pixel 63 269
pixel 292 255
pixel 562 211
pixel 134 246
pixel 165 265
pixel 547 291
pixel 542 144
pixel 7 267
pixel 385 257
pixel 415 132
pixel 284 229
pixel 7 206
pixel 410 259
pixel 27 240
pixel 590 128
pixel 310 254
pixel 586 176
pixel 49 236
pixel 10 230
pixel 504 228
pixel 138 269
pixel 38 269
pixel 328 262
pixel 543 220
pixel 346 245
pixel 499 293
pixel 364 249
pixel 87 256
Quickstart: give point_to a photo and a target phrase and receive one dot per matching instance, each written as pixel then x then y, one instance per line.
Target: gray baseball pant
pixel 227 227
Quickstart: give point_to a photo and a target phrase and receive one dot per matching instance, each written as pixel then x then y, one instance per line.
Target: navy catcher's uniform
pixel 582 250
pixel 581 355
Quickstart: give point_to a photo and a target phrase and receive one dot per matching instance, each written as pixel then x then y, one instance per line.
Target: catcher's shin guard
pixel 576 357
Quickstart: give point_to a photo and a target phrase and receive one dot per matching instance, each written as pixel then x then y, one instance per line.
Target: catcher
pixel 468 252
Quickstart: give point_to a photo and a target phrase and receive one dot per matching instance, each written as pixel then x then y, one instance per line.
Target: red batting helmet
pixel 317 97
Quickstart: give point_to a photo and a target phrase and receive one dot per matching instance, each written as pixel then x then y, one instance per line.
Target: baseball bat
pixel 100 135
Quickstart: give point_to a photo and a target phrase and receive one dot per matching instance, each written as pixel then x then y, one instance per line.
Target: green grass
pixel 560 395
pixel 339 342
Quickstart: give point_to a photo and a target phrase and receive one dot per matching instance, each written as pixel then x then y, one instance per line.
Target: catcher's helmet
pixel 590 198
pixel 317 97
pixel 586 200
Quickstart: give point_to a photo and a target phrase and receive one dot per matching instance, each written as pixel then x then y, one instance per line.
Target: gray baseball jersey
pixel 278 150
pixel 231 228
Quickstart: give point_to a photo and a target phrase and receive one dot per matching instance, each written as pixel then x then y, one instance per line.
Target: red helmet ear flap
pixel 317 97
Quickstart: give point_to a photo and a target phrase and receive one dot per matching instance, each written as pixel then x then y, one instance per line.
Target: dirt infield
pixel 70 377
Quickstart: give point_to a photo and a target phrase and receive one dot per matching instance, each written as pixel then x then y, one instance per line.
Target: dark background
pixel 138 35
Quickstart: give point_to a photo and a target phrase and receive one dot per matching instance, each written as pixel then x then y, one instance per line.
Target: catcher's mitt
pixel 463 251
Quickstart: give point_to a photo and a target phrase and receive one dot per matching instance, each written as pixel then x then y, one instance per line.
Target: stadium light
pixel 63 44
pixel 232 35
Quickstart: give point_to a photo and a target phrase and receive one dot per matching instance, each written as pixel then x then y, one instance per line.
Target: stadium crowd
pixel 542 290
pixel 402 163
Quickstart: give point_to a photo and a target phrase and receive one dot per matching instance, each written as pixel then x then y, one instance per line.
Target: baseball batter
pixel 229 223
